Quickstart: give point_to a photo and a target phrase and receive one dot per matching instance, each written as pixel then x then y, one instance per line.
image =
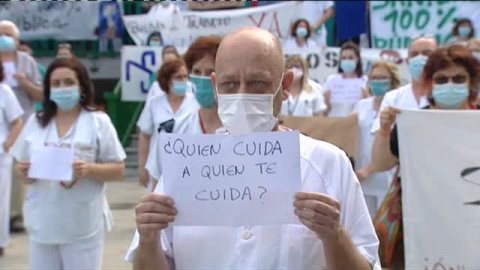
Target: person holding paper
pixel 345 89
pixel 336 230
pixel 10 126
pixel 304 99
pixel 177 102
pixel 383 77
pixel 66 220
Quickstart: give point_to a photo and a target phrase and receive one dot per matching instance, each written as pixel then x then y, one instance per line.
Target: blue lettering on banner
pixel 143 66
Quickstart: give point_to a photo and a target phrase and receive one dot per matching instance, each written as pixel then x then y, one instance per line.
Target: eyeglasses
pixel 455 79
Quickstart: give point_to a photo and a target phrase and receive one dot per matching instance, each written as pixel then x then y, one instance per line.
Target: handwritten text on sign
pixel 232 180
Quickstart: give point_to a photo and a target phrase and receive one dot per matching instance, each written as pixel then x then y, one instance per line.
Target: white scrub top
pixel 378 183
pixel 324 169
pixel 155 90
pixel 53 214
pixel 313 11
pixel 402 98
pixel 345 93
pixel 291 44
pixel 10 110
pixel 306 104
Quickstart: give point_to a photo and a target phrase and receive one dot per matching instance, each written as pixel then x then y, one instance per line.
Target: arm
pixel 382 157
pixel 143 151
pixel 343 254
pixel 326 16
pixel 150 255
pixel 106 172
pixel 33 90
pixel 16 128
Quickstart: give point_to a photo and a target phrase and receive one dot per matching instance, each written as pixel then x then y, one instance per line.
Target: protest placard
pixel 232 180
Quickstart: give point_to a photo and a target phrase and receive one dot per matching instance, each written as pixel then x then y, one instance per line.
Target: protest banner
pixel 182 28
pixel 341 132
pixel 140 62
pixel 234 180
pixel 440 169
pixel 395 23
pixel 61 20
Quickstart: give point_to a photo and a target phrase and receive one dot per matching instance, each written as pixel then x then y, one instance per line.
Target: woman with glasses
pixel 162 111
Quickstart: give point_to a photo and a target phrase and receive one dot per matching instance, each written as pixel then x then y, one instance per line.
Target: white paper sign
pixel 440 168
pixel 51 163
pixel 232 180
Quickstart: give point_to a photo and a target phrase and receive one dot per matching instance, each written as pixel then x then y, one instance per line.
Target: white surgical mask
pixel 247 113
pixel 297 73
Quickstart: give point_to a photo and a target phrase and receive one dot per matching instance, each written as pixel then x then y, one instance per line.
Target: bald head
pixel 422 45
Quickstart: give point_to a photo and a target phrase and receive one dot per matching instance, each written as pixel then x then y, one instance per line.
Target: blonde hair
pixel 392 70
pixel 10 24
pixel 298 59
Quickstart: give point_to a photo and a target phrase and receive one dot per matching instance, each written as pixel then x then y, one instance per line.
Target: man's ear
pixel 214 82
pixel 287 84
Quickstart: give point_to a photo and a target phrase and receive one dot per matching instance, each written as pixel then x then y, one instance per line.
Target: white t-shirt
pixel 378 183
pixel 306 104
pixel 162 10
pixel 402 98
pixel 313 11
pixel 10 110
pixel 345 93
pixel 292 44
pixel 324 169
pixel 53 214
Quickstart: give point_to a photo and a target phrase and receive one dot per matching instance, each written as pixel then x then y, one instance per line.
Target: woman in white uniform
pixel 200 60
pixel 383 77
pixel 66 220
pixel 10 126
pixel 162 111
pixel 344 89
pixel 300 36
pixel 303 100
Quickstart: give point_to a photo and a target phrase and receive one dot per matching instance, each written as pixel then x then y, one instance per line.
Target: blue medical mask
pixel 66 98
pixel 301 32
pixel 464 31
pixel 181 87
pixel 477 55
pixel 155 43
pixel 7 44
pixel 348 65
pixel 204 91
pixel 380 87
pixel 416 65
pixel 450 95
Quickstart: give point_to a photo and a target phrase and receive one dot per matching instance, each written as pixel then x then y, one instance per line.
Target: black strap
pixel 167 126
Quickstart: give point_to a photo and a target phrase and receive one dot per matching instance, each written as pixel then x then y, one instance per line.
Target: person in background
pixel 162 111
pixel 22 75
pixel 300 36
pixel 318 13
pixel 64 50
pixel 66 221
pixel 10 126
pixel 383 77
pixel 344 89
pixel 24 47
pixel 200 60
pixel 169 53
pixel 452 79
pixel 463 31
pixel 474 47
pixel 303 99
pixel 155 39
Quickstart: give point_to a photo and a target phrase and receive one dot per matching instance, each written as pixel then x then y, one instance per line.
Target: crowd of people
pixel 211 89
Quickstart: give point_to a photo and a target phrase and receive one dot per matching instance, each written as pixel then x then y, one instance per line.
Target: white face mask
pixel 247 113
pixel 297 73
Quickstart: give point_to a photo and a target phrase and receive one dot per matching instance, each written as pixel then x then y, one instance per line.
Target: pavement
pixel 122 196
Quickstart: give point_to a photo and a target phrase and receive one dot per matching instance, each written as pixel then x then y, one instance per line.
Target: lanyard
pixel 292 110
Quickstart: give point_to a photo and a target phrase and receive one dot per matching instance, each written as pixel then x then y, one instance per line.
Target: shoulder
pixel 5 90
pixel 100 119
pixel 311 43
pixel 334 77
pixel 365 102
pixel 25 57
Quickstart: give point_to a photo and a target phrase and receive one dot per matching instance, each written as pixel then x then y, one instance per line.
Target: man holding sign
pixel 337 232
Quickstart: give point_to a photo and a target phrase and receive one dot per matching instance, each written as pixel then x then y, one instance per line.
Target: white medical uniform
pixel 291 44
pixel 10 110
pixel 345 93
pixel 155 90
pixel 376 186
pixel 306 104
pixel 402 98
pixel 67 226
pixel 324 169
pixel 313 11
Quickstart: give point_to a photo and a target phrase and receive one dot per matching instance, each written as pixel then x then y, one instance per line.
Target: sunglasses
pixel 455 79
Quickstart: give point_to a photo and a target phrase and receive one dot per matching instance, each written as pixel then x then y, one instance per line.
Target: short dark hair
pixel 154 34
pixel 200 48
pixel 168 47
pixel 293 31
pixel 86 88
pixel 166 72
pixel 356 50
pixel 460 22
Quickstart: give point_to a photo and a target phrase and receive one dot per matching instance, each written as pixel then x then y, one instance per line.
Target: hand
pixel 152 214
pixel 363 173
pixel 327 96
pixel 22 168
pixel 21 78
pixel 81 168
pixel 144 177
pixel 320 213
pixel 388 117
pixel 6 147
